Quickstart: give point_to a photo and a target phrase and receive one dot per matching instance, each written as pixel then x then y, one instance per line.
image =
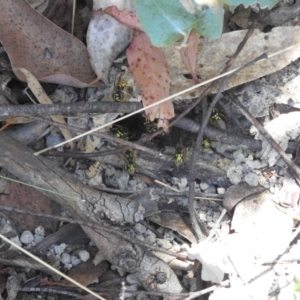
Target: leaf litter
pixel 246 239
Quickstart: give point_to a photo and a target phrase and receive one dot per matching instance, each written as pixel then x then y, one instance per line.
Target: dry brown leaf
pixel 150 71
pixel 173 221
pixel 126 17
pixel 212 56
pixel 48 52
pixel 21 196
pixel 42 97
pixel 106 39
pixel 188 54
pixel 86 273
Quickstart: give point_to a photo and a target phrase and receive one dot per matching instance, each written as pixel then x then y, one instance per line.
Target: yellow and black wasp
pixel 130 163
pixel 150 126
pixel 120 132
pixel 121 89
pixel 217 118
pixel 206 143
pixel 180 156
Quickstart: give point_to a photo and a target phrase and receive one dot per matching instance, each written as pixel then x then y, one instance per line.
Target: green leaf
pixel 210 21
pixel 166 21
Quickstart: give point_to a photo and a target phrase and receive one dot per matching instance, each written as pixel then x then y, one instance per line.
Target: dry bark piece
pixel 48 52
pixel 151 273
pixel 13 284
pixel 70 234
pixel 188 54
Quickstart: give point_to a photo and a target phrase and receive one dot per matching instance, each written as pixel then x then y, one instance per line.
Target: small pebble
pixel 59 249
pixel 16 240
pixel 251 179
pixel 239 158
pixel 39 230
pixel 65 258
pixel 202 216
pixel 75 261
pixel 209 218
pixel 216 216
pixel 140 237
pixel 164 243
pixel 84 255
pixel 37 238
pixel 139 228
pixel 151 238
pixel 204 186
pixel 221 191
pixel 26 237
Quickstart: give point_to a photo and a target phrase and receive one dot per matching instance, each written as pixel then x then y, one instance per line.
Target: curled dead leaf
pixel 106 39
pixel 150 71
pixel 42 97
pixel 48 52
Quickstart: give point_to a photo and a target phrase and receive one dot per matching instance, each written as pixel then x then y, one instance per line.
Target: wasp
pixel 150 126
pixel 218 119
pixel 130 166
pixel 206 143
pixel 121 89
pixel 120 132
pixel 180 156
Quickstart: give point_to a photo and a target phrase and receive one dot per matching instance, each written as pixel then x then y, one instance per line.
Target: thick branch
pixel 144 266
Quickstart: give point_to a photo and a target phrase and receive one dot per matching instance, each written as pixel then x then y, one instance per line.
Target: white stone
pixel 204 186
pixel 59 249
pixel 75 261
pixel 40 230
pixel 251 179
pixel 65 258
pixel 84 255
pixel 26 237
pixel 139 228
pixel 221 191
pixel 37 238
pixel 16 240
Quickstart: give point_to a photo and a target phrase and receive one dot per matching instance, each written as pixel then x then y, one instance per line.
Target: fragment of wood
pixel 70 234
pixel 152 273
pixel 69 109
pixel 72 194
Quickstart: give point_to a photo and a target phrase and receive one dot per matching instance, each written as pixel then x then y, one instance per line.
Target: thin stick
pixel 156 103
pixel 205 121
pixel 50 267
pixel 102 135
pixel 73 17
